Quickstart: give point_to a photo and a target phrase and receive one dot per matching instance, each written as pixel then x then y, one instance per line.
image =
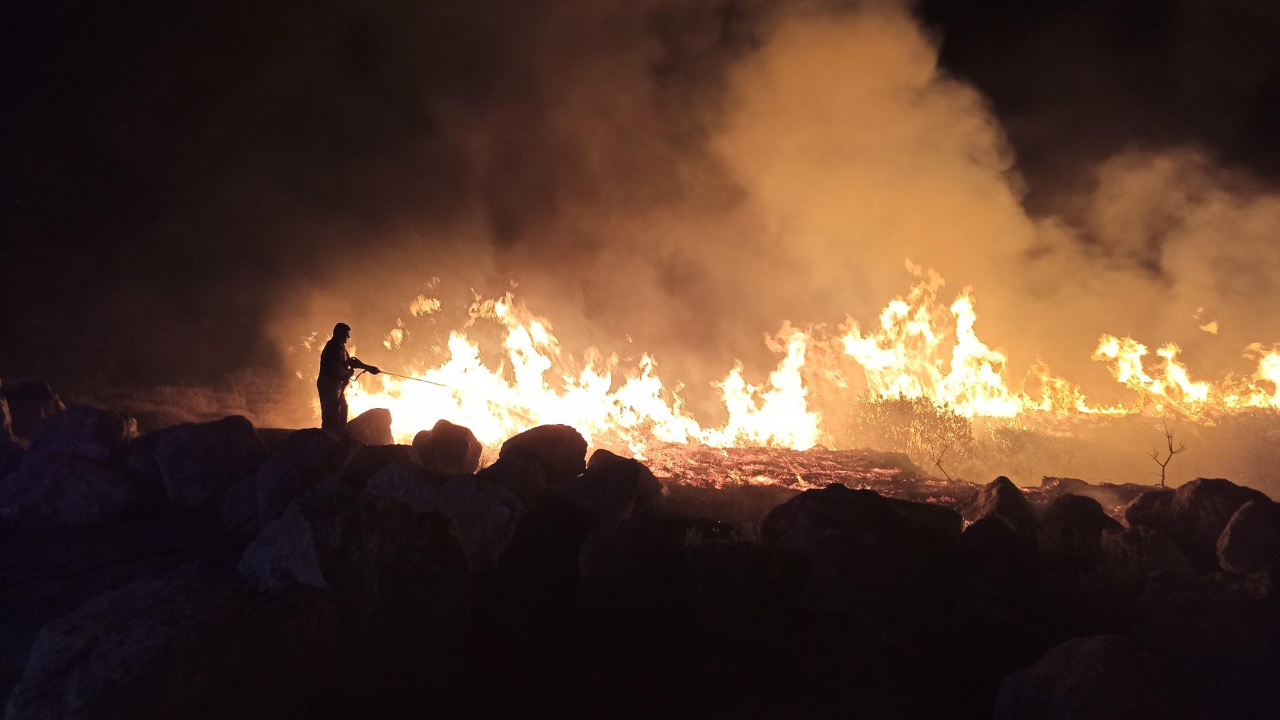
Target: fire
pixel 922 348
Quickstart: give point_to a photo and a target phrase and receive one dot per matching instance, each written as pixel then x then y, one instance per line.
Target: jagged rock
pixel 71 474
pixel 303 460
pixel 369 460
pixel 1194 515
pixel 188 644
pixel 371 427
pixel 1001 499
pixel 1000 563
pixel 305 544
pixel 612 488
pixel 807 517
pixel 486 515
pixel 1071 533
pixel 31 403
pixel 85 432
pixel 560 448
pixel 1219 621
pixel 447 449
pixel 240 506
pixel 519 472
pixel 1103 677
pixel 1142 551
pixel 197 462
pixel 11 452
pixel 1251 541
pixel 630 564
pixel 65 491
pixel 407 482
pixel 723 577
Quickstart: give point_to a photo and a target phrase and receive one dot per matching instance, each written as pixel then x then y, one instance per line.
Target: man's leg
pixel 340 413
pixel 328 407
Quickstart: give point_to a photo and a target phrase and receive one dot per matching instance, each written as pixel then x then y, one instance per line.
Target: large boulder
pixel 398 573
pixel 612 488
pixel 1071 533
pixel 1218 622
pixel 634 564
pixel 1251 540
pixel 31 403
pixel 999 563
pixel 303 460
pixel 240 506
pixel 1002 500
pixel 561 449
pixel 519 472
pixel 1153 509
pixel 406 482
pixel 11 452
pixel 371 427
pixel 197 462
pixel 1143 551
pixel 813 514
pixel 486 515
pixel 447 449
pixel 368 460
pixel 73 472
pixel 1105 677
pixel 1194 515
pixel 187 644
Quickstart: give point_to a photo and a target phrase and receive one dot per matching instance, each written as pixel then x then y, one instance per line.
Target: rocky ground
pixel 220 570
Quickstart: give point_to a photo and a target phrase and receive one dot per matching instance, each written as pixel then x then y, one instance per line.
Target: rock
pixel 188 644
pixel 1001 499
pixel 1153 509
pixel 11 452
pixel 1142 551
pixel 85 432
pixel 6 421
pixel 447 449
pixel 486 515
pixel 1103 677
pixel 936 525
pixel 724 577
pixel 1000 564
pixel 1071 534
pixel 197 462
pixel 1201 510
pixel 303 460
pixel 560 448
pixel 371 427
pixel 519 472
pixel 72 474
pixel 407 482
pixel 240 506
pixel 612 488
pixel 65 491
pixel 31 403
pixel 1113 497
pixel 369 460
pixel 633 564
pixel 1219 622
pixel 1251 540
pixel 806 518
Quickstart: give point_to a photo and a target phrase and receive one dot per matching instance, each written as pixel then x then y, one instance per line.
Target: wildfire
pixel 923 348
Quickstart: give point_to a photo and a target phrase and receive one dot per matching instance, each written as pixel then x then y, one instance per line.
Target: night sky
pixel 173 171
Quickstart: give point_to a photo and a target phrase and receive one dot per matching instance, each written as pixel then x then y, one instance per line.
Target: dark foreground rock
pixel 1002 500
pixel 1251 540
pixel 31 403
pixel 1194 515
pixel 197 462
pixel 189 644
pixel 561 450
pixel 447 449
pixel 73 474
pixel 305 459
pixel 371 427
pixel 1106 677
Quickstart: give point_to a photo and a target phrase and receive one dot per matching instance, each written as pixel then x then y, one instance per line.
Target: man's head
pixel 342 332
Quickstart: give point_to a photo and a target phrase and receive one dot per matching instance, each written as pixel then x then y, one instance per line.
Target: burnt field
pixel 218 569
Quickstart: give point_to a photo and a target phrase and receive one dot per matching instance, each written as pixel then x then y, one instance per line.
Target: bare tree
pixel 1155 454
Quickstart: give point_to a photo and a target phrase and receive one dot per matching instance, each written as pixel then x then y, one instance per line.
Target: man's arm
pixel 355 363
pixel 333 363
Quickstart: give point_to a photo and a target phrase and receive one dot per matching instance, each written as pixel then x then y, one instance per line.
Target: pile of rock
pixel 337 577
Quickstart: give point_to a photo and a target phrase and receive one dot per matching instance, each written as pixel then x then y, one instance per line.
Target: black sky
pixel 171 169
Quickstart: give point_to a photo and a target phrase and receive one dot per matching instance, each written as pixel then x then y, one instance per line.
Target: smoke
pixel 687 175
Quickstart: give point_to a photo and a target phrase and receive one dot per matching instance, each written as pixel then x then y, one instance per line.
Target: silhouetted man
pixel 336 369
